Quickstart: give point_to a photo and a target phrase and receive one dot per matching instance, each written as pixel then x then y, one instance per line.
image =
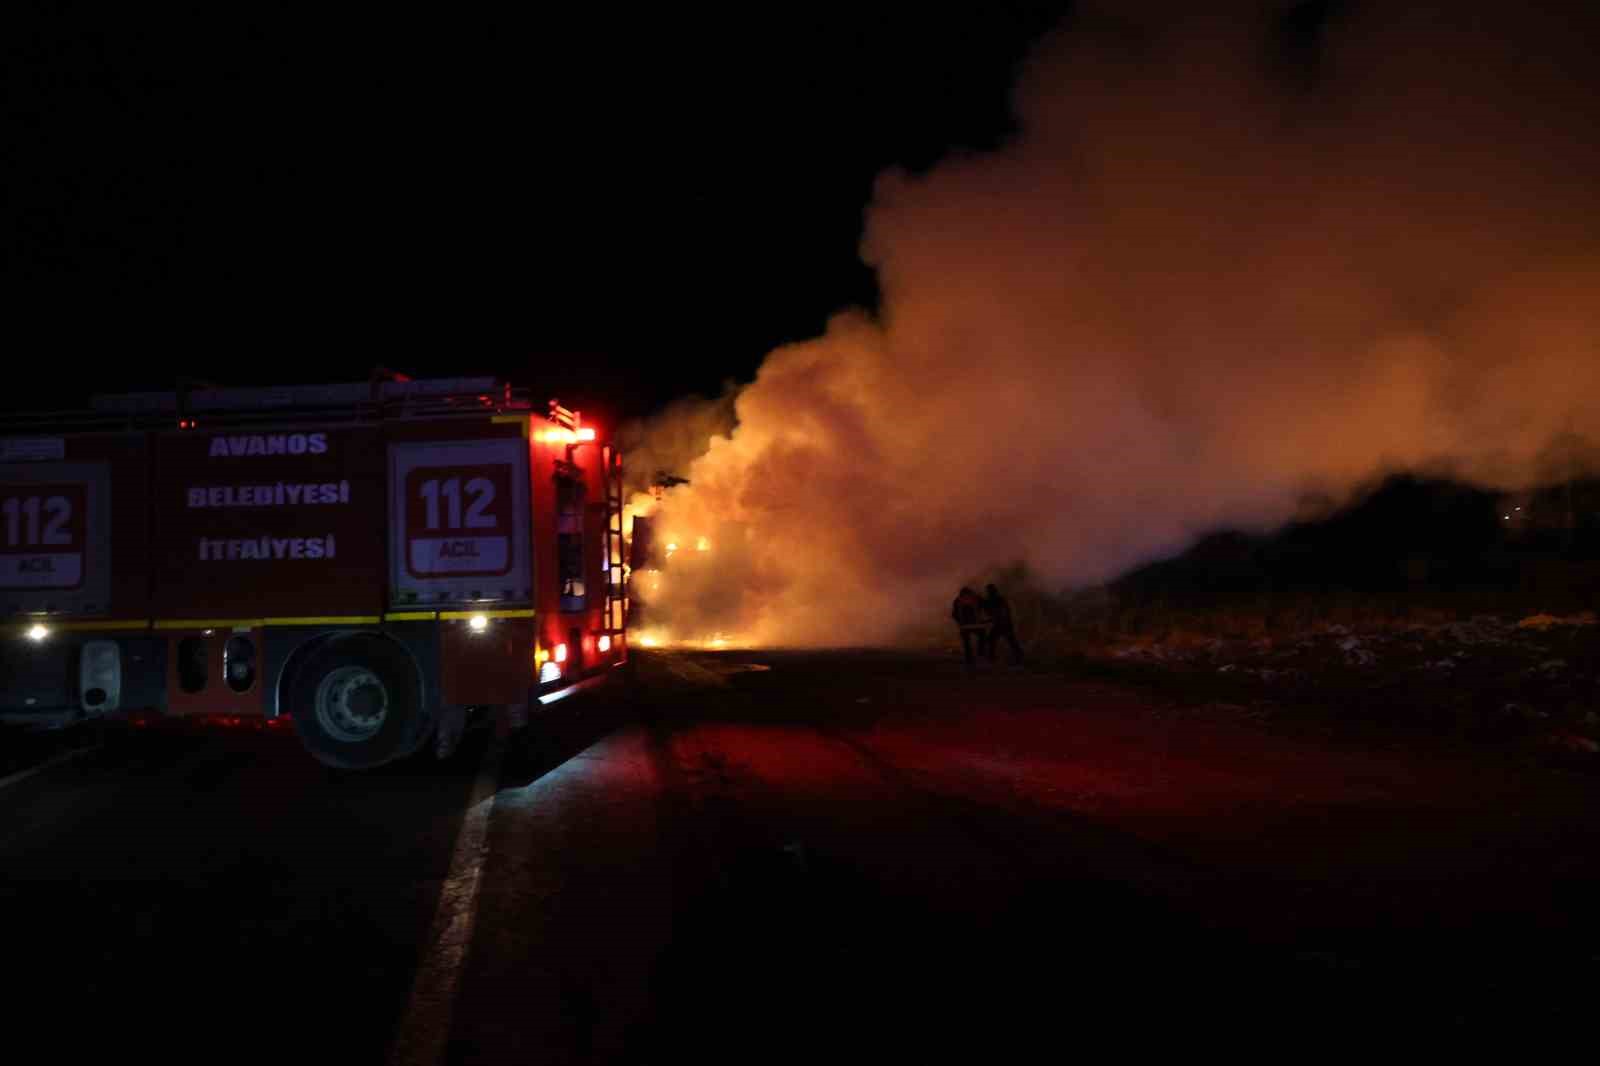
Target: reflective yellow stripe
pixel 254 623
pixel 326 620
pixel 207 623
pixel 330 620
pixel 75 627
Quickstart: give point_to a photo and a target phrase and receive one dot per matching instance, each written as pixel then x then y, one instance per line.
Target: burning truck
pixel 369 561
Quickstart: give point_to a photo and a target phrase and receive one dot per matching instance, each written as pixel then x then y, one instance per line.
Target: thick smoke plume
pixel 1207 279
pixel 664 445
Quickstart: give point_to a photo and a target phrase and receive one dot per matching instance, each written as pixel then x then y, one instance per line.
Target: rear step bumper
pixel 45 718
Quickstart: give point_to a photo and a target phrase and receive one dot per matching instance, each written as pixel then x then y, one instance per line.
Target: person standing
pixel 965 612
pixel 1000 626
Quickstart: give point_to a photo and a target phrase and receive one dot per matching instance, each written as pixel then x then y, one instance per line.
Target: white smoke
pixel 1190 292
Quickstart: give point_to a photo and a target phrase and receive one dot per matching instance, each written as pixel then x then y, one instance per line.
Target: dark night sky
pixel 612 210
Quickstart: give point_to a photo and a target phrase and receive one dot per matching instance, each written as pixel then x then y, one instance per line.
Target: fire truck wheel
pixel 356 703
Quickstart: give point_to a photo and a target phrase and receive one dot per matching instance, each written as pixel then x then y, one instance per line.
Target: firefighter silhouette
pixel 966 611
pixel 1000 625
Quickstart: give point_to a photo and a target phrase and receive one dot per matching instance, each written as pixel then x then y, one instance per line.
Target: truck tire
pixel 357 702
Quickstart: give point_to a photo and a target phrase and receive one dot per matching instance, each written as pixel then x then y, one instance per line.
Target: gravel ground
pixel 1528 686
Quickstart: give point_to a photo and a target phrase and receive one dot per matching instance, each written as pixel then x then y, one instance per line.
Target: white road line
pixel 426 1025
pixel 571 690
pixel 66 756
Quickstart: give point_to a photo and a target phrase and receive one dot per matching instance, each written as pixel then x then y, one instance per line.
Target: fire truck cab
pixel 366 561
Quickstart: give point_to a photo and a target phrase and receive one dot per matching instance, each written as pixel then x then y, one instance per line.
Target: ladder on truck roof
pixel 616 576
pixel 612 565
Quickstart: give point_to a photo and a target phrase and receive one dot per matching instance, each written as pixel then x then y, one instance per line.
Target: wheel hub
pixel 351 704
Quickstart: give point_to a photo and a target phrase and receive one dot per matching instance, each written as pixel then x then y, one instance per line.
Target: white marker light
pixel 38 632
pixel 478 623
pixel 549 672
pixel 604 643
pixel 561 653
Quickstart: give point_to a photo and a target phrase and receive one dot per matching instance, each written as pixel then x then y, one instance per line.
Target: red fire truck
pixel 368 561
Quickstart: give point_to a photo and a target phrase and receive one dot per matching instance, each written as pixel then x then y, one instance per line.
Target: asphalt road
pixel 759 856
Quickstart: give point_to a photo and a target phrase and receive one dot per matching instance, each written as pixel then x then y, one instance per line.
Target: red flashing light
pixel 187 423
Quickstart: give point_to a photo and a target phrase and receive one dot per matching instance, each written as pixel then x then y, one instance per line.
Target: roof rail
pixel 278 397
pixel 351 401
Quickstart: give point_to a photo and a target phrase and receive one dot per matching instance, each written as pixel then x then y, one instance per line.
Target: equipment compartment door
pixel 459 521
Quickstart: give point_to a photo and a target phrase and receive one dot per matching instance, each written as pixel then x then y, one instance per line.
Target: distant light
pixel 549 672
pixel 38 632
pixel 1508 518
pixel 671 548
pixel 604 644
pixel 1516 508
pixel 586 433
pixel 478 623
pixel 207 632
pixel 702 545
pixel 561 653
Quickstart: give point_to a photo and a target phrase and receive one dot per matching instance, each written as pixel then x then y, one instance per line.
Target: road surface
pixel 751 857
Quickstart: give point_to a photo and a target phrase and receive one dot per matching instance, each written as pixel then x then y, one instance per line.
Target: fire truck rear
pixel 368 561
